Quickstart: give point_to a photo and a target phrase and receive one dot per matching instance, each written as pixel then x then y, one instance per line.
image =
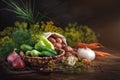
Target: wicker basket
pixel 43 61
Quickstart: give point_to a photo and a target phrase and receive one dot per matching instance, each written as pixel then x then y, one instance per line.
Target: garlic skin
pixel 86 53
pixel 71 60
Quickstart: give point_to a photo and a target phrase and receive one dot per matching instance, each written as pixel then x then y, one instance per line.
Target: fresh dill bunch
pixel 48 26
pixel 75 33
pixel 7 31
pixel 4 39
pixel 22 36
pixel 7 48
pixel 89 35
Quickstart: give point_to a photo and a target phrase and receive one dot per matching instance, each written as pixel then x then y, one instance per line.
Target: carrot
pixel 94 45
pixel 101 53
pixel 81 45
pixel 91 45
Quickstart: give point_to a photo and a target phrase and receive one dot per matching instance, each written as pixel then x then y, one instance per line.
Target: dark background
pixel 103 16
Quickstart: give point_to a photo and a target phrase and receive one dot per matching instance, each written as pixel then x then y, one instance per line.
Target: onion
pixel 18 63
pixel 68 49
pixel 11 57
pixel 15 60
pixel 86 53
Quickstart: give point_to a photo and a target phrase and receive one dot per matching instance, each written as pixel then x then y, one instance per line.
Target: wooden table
pixel 103 68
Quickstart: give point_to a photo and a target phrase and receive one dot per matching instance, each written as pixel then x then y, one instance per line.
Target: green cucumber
pixel 25 47
pixel 35 53
pixel 47 54
pixel 28 53
pixel 45 48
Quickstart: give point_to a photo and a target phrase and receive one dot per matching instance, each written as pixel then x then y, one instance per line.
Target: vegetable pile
pixel 48 46
pixel 43 48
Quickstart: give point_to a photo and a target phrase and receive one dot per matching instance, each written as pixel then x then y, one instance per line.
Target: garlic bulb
pixel 71 60
pixel 86 53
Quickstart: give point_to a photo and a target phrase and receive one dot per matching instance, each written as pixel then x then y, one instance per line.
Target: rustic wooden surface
pixel 103 68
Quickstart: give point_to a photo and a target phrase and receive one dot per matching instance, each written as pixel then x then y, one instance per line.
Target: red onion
pixel 18 63
pixel 11 57
pixel 15 60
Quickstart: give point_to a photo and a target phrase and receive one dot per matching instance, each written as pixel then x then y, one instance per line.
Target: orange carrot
pixel 94 45
pixel 81 45
pixel 101 53
pixel 91 45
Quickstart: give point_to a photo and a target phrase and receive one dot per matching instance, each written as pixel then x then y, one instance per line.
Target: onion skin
pixel 11 57
pixel 52 40
pixel 63 45
pixel 67 54
pixel 86 53
pixel 59 40
pixel 15 60
pixel 58 45
pixel 18 63
pixel 68 49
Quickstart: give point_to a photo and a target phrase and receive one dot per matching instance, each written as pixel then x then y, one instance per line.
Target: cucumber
pixel 35 53
pixel 25 47
pixel 47 54
pixel 45 48
pixel 28 53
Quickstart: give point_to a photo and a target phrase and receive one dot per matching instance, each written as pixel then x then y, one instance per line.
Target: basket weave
pixel 43 61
